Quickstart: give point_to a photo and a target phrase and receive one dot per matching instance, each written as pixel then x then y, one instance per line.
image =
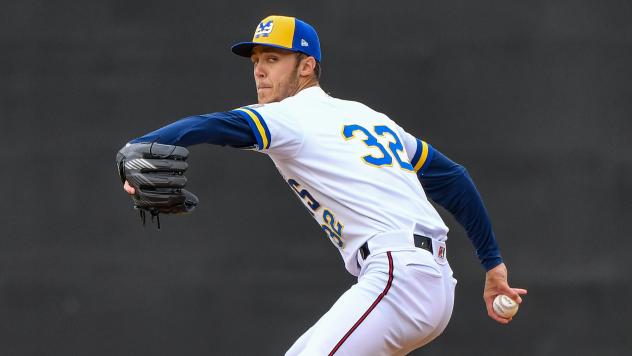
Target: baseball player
pixel 365 180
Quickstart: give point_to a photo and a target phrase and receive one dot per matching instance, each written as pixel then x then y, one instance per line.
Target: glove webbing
pixel 156 215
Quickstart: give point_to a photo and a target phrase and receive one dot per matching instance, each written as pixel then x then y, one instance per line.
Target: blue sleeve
pixel 220 128
pixel 449 185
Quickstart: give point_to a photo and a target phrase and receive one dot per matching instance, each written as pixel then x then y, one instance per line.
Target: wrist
pixel 491 263
pixel 497 272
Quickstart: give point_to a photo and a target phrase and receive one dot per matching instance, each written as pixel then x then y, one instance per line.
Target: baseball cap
pixel 282 32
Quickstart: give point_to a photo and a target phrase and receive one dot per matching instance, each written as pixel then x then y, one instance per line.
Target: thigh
pixel 440 312
pixel 385 313
pixel 356 311
pixel 298 348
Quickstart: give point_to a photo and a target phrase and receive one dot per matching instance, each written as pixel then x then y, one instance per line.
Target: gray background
pixel 533 97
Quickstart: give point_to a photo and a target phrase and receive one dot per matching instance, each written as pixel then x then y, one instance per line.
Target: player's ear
pixel 306 67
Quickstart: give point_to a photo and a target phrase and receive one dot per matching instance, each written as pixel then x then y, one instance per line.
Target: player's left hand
pixel 153 174
pixel 128 188
pixel 495 284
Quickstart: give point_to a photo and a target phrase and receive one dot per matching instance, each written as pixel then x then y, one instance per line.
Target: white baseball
pixel 505 306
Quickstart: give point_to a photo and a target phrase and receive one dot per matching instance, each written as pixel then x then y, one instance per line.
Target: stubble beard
pixel 286 89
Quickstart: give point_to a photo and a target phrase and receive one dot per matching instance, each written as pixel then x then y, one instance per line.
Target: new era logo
pixel 441 252
pixel 264 29
pixel 304 43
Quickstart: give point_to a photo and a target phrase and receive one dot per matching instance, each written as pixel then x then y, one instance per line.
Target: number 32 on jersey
pixel 331 226
pixel 385 159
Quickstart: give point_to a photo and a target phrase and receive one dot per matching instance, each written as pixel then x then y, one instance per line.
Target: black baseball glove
pixel 156 172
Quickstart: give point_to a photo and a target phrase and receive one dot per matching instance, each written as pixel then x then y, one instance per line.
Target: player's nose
pixel 259 71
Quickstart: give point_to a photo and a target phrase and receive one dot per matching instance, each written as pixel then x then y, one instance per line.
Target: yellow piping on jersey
pixel 262 132
pixel 424 155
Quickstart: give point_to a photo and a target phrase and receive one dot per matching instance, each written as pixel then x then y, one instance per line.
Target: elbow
pixel 459 171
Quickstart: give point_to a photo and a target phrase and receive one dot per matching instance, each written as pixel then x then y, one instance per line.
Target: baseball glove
pixel 156 172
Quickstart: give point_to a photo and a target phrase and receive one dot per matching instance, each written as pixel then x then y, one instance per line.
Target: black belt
pixel 420 241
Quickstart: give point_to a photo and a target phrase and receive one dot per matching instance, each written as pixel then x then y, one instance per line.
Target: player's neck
pixel 306 83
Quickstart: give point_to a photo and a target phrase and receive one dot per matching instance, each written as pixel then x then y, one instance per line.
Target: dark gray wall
pixel 533 97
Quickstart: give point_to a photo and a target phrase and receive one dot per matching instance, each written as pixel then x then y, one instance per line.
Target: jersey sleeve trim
pixel 258 126
pixel 423 155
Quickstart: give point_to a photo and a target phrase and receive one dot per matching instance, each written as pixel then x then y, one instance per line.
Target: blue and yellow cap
pixel 282 32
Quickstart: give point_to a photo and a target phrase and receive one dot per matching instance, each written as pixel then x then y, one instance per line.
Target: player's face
pixel 276 73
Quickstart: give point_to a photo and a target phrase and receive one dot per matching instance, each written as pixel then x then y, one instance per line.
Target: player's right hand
pixel 495 284
pixel 128 188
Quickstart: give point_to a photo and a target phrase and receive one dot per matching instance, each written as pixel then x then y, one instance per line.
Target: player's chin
pixel 267 96
pixel 262 99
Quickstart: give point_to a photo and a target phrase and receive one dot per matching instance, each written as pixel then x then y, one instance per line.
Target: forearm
pixel 450 185
pixel 222 128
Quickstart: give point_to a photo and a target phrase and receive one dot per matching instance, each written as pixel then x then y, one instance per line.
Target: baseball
pixel 505 306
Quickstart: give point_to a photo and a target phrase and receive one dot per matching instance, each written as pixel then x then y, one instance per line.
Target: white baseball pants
pixel 402 301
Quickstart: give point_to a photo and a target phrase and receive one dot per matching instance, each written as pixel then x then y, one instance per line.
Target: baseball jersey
pixel 352 167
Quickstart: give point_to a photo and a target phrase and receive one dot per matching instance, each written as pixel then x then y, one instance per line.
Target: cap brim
pixel 244 49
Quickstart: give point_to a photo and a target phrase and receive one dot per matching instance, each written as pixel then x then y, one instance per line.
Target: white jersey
pixel 353 168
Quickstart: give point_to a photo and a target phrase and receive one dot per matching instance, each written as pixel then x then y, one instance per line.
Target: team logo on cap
pixel 264 29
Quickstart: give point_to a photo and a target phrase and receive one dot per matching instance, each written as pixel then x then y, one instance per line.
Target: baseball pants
pixel 402 301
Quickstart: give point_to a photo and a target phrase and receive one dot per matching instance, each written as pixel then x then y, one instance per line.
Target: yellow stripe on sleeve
pixel 424 155
pixel 260 128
